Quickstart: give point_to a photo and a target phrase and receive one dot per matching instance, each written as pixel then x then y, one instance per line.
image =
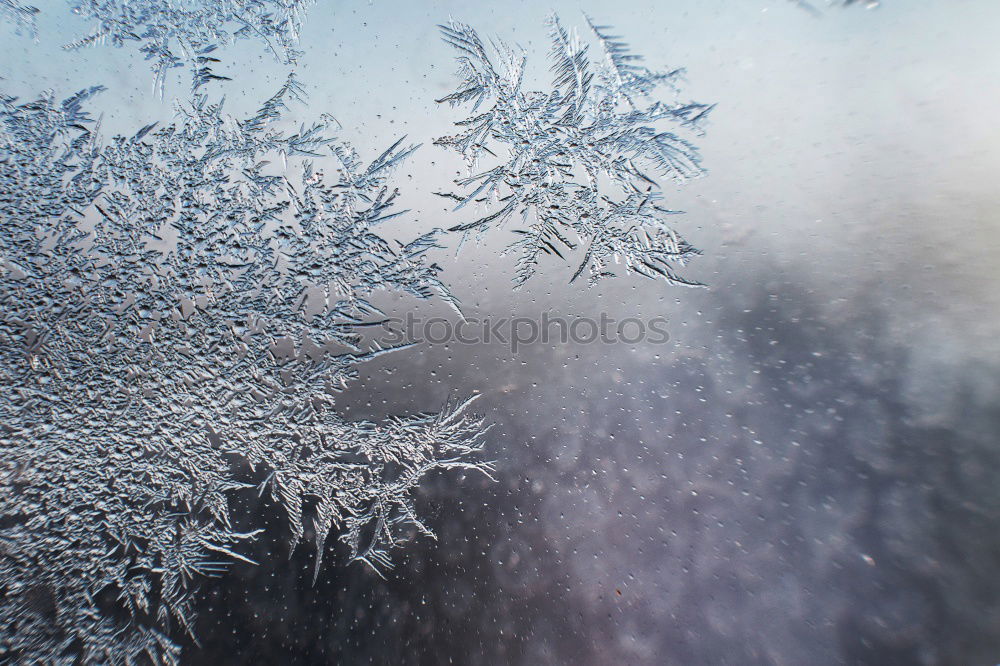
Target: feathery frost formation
pixel 811 8
pixel 178 308
pixel 20 15
pixel 576 164
pixel 175 33
pixel 179 33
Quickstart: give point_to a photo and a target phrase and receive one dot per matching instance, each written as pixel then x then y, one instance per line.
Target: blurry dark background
pixel 793 489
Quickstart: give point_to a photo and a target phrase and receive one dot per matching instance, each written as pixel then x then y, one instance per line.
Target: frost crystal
pixel 576 164
pixel 175 306
pixel 22 16
pixel 811 8
pixel 175 33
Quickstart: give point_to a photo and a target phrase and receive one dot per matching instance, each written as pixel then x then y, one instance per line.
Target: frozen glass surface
pixel 386 332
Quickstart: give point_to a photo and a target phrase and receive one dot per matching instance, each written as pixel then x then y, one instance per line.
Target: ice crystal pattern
pixel 576 164
pixel 812 9
pixel 178 33
pixel 20 15
pixel 178 309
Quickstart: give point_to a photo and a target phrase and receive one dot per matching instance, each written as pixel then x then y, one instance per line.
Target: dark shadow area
pixel 777 496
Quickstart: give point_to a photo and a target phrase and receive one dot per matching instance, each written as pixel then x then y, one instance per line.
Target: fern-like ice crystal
pixel 576 165
pixel 181 33
pixel 176 305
